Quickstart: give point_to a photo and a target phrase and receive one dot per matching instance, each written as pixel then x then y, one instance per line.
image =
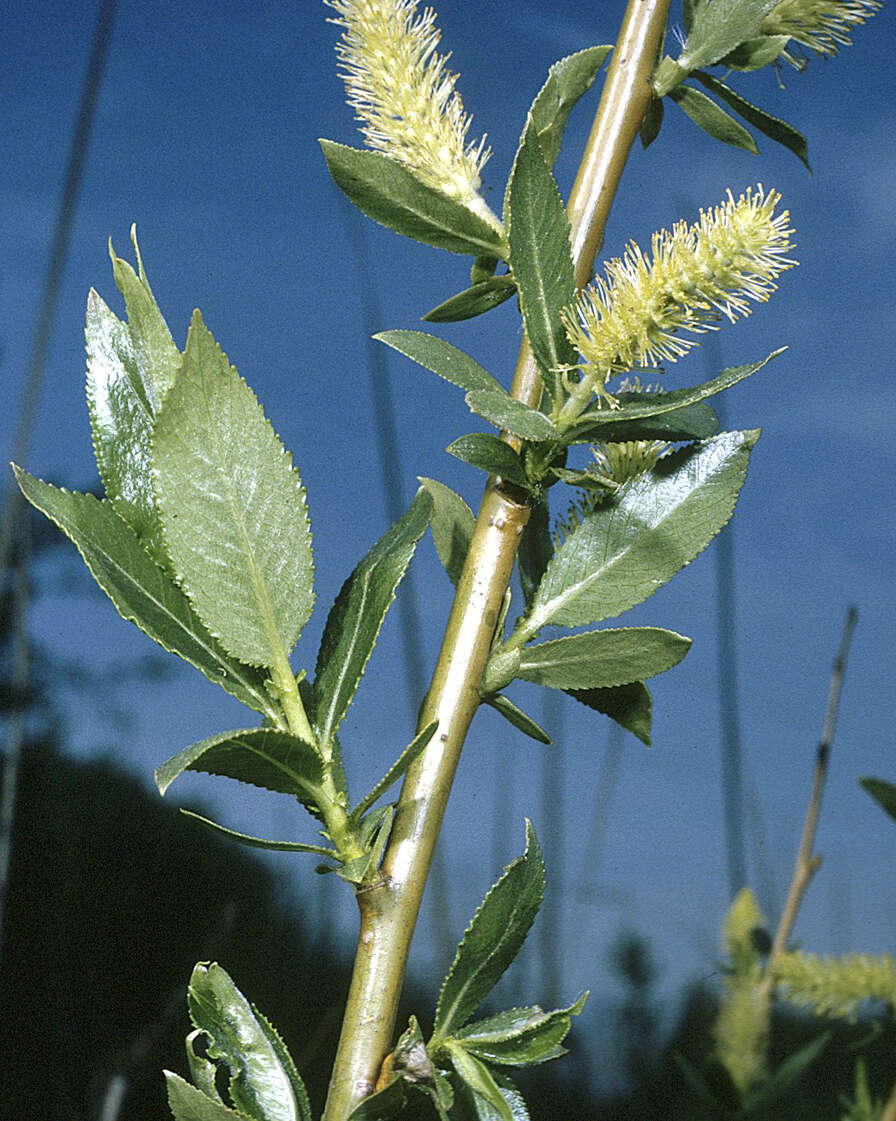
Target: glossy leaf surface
pixel 600 425
pixel 540 256
pixel 712 118
pixel 265 757
pixel 158 359
pixel 510 415
pixel 389 194
pixel 692 422
pixel 233 509
pixel 490 454
pixel 567 81
pixel 356 618
pixel 452 527
pixel 598 659
pixel 521 1037
pixel 479 1079
pixel 142 593
pixel 264 1084
pixel 493 938
pixel 475 300
pixel 441 358
pixel 625 550
pixel 382 1105
pixel 189 1104
pixel 121 417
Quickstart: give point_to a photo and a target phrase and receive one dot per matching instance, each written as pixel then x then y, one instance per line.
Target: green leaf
pixel 884 793
pixel 452 527
pixel 510 415
pixel 383 1104
pixel 398 768
pixel 689 9
pixel 202 1070
pixel 756 53
pixel 189 1104
pixel 493 939
pixel 121 418
pixel 441 358
pixel 265 757
pixel 719 27
pixel 375 831
pixel 478 1078
pixel 130 368
pixel 540 257
pixel 785 1077
pixel 473 1107
pixel 692 422
pixel 772 127
pixel 536 549
pixel 260 842
pixel 712 118
pixel 356 618
pixel 599 425
pixel 566 83
pixel 142 593
pixel 622 552
pixel 264 1084
pixel 601 659
pixel 519 719
pixel 233 509
pixel 521 1037
pixel 629 705
pixel 473 301
pixel 489 453
pixel 391 195
pixel 157 358
pixel 652 123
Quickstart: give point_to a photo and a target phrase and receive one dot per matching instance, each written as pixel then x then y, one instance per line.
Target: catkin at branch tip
pixel 405 98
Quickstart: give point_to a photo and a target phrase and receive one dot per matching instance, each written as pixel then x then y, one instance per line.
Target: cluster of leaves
pixel 634 537
pixel 203 541
pixel 461 1068
pixel 727 34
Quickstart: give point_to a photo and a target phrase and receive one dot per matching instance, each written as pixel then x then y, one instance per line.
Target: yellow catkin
pixel 641 312
pixel 822 26
pixel 405 97
pixel 836 986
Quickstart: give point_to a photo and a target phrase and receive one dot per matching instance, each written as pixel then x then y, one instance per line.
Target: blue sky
pixel 206 137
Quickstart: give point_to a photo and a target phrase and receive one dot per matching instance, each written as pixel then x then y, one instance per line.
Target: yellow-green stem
pixel 389 907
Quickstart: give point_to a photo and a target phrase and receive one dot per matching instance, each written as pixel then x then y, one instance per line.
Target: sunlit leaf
pixel 493 938
pixel 233 508
pixel 142 593
pixel 600 659
pixel 441 358
pixel 631 545
pixel 391 195
pixel 356 618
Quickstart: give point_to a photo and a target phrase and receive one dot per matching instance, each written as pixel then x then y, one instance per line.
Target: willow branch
pixel 807 862
pixel 389 908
